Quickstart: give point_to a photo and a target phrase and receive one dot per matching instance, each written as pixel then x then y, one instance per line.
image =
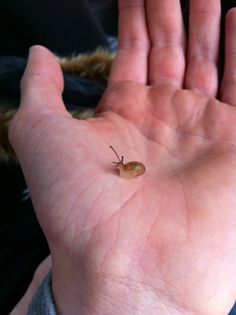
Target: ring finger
pixel 204 33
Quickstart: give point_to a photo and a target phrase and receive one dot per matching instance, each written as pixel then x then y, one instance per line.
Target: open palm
pixel 169 234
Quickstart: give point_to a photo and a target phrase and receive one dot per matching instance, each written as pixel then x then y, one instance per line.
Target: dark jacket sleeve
pixel 42 302
pixel 65 27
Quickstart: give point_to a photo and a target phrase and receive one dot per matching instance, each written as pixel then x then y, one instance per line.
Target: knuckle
pixel 133 43
pixel 126 4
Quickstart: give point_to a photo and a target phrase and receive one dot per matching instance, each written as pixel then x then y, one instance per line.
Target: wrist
pixel 102 295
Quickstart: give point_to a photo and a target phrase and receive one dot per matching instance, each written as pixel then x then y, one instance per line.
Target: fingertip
pixel 38 48
pixel 230 24
pixel 231 14
pixel 42 52
pixel 42 62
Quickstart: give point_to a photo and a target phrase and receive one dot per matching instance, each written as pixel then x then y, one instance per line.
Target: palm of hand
pixel 170 219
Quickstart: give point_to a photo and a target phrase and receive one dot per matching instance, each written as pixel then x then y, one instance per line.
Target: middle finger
pixel 167 36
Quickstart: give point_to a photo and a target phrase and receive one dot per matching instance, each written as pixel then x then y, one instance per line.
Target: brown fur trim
pixel 6 151
pixel 95 66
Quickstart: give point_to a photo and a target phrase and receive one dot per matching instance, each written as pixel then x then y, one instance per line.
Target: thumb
pixel 41 93
pixel 42 83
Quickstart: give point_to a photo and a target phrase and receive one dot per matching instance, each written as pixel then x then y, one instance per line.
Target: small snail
pixel 129 170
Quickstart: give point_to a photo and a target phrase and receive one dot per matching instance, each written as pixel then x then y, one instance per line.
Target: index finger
pixel 130 63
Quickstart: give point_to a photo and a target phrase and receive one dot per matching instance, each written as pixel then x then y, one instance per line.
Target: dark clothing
pixel 78 92
pixel 65 27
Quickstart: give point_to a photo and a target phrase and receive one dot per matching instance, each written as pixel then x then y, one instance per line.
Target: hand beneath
pixel 164 242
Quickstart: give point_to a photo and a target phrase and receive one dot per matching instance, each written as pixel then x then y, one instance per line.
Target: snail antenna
pixel 120 160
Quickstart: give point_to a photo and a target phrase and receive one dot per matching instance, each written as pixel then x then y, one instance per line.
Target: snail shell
pixel 129 170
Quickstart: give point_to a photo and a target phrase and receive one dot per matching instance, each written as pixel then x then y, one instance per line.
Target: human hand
pixel 164 242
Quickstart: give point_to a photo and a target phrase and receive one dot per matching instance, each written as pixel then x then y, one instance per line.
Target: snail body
pixel 129 170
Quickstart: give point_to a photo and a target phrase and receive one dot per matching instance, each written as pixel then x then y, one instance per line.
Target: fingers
pixel 130 63
pixel 204 33
pixel 166 30
pixel 42 82
pixel 228 88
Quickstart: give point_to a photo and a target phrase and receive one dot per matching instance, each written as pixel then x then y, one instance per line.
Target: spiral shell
pixel 129 170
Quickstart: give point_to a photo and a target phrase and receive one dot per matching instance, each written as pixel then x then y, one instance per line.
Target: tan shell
pixel 135 168
pixel 129 170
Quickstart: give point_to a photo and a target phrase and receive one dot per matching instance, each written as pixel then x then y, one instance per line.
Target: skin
pixel 164 242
